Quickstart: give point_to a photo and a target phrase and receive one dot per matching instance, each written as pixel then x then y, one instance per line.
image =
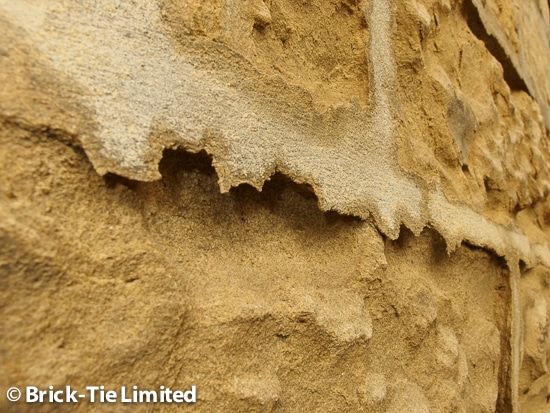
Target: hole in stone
pixel 260 28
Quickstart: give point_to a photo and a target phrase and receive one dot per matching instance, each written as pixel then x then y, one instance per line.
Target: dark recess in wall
pixel 174 162
pixel 511 75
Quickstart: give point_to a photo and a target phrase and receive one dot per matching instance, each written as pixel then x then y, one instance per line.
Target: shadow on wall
pixel 280 196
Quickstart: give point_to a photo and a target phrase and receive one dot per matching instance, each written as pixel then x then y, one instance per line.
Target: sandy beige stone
pixel 317 205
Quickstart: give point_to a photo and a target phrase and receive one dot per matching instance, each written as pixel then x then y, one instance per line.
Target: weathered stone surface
pixel 518 33
pixel 293 205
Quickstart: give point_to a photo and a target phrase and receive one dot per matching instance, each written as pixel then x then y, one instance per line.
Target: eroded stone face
pixel 318 46
pixel 402 116
pixel 518 33
pixel 259 299
pixel 204 76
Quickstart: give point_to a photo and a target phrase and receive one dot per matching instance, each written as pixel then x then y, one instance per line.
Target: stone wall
pixel 312 205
